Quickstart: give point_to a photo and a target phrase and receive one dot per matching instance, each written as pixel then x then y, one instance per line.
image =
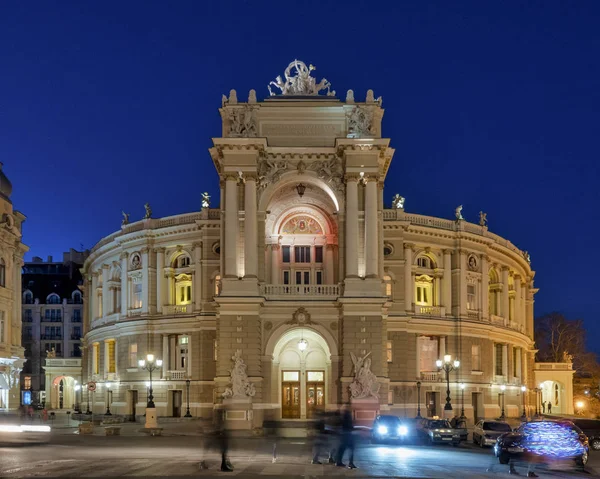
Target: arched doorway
pixel 62 393
pixel 553 393
pixel 301 373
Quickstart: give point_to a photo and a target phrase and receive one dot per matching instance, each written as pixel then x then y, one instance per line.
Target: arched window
pixel 53 299
pixel 28 297
pixel 2 273
pixel 76 297
pixel 387 281
pixel 182 261
pixel 183 289
pixel 424 290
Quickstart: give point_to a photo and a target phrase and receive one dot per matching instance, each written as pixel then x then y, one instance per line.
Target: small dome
pixel 5 185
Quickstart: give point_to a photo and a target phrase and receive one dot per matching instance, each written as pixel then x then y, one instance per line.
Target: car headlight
pixel 402 430
pixel 382 430
pixel 435 434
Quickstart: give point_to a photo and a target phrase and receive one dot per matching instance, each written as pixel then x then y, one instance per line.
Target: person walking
pixel 223 441
pixel 543 407
pixel 549 407
pixel 318 438
pixel 347 440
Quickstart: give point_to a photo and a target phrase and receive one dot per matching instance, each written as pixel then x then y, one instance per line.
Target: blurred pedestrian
pixel 333 428
pixel 223 442
pixel 549 407
pixel 45 415
pixel 318 438
pixel 543 407
pixel 347 440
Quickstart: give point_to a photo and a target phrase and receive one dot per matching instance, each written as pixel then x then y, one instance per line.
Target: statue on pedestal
pixel 482 218
pixel 125 220
pixel 241 387
pixel 398 202
pixel 205 200
pixel 458 213
pixel 148 214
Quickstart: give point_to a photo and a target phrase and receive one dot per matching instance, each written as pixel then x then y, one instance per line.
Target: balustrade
pixel 437 311
pixel 305 290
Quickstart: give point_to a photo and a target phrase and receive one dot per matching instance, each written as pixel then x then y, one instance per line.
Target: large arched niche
pixel 286 334
pixel 316 188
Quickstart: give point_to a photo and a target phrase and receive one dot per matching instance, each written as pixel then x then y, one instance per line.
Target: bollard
pixel 274 452
pixel 68 418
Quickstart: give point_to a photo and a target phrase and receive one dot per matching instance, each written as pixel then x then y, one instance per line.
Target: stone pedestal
pixel 364 411
pixel 239 414
pixel 151 421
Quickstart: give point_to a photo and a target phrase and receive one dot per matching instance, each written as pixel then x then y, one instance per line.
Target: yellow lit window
pixel 388 351
pixel 111 357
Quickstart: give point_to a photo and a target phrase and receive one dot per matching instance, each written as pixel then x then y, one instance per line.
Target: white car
pixel 24 434
pixel 486 432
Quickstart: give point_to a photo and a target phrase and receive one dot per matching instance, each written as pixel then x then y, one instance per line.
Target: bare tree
pixel 559 339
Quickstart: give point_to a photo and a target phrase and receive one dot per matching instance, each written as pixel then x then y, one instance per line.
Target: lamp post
pixel 418 416
pixel 462 401
pixel 187 387
pixel 502 415
pixel 537 402
pixel 448 366
pixel 150 364
pixel 108 400
pixel 524 415
pixel 87 412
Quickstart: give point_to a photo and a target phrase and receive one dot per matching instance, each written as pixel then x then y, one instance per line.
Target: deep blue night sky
pixel 493 105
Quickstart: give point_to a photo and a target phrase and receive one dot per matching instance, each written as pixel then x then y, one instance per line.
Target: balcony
pixel 498 320
pixel 178 308
pixel 313 292
pixel 63 363
pixel 554 366
pixel 436 311
pixel 176 375
pixel 51 337
pixel 430 376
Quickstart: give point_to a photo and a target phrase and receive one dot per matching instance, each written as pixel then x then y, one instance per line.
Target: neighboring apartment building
pixel 12 251
pixel 301 291
pixel 52 329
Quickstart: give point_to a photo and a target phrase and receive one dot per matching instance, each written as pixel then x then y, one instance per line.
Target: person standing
pixel 549 407
pixel 543 407
pixel 347 440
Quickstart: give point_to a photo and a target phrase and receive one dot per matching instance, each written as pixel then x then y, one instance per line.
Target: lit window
pixel 27 382
pixel 424 262
pixel 388 351
pixel 424 291
pixel 475 357
pixel 133 352
pixel 471 297
pixel 217 285
pixel 112 363
pixel 183 288
pixel 215 349
pixel 291 376
pixel 429 353
pixel 390 396
pixel 387 280
pixel 315 376
pixel 95 358
pixel 136 302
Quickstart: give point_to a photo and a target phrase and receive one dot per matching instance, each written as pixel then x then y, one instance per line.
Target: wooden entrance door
pixel 290 395
pixel 315 392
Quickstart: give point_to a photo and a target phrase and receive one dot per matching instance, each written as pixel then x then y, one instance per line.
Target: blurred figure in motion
pixel 319 440
pixel 218 439
pixel 347 439
pixel 333 428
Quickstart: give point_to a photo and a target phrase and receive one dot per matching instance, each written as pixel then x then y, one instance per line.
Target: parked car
pixel 486 432
pixel 544 441
pixel 591 428
pixel 388 429
pixel 438 431
pixel 12 432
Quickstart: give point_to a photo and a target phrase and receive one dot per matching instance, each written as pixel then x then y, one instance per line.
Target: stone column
pixel 485 288
pixel 371 230
pixel 145 281
pixel 447 282
pixel 94 296
pixel 275 248
pixel 463 284
pixel 517 304
pixel 160 264
pixel 105 292
pixel 197 276
pixel 505 300
pixel 250 229
pixel 329 266
pixel 351 251
pixel 408 279
pixel 124 284
pixel 231 226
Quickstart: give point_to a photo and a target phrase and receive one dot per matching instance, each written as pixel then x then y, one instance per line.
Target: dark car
pixel 439 431
pixel 485 433
pixel 591 428
pixel 544 441
pixel 389 429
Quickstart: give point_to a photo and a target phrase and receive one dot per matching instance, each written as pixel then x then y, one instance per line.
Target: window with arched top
pixel 28 297
pixel 217 287
pixel 182 261
pixel 76 297
pixel 2 273
pixel 53 299
pixel 425 262
pixel 387 281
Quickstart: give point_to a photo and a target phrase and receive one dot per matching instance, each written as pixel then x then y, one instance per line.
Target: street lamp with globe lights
pixel 524 415
pixel 579 405
pixel 448 366
pixel 150 364
pixel 108 400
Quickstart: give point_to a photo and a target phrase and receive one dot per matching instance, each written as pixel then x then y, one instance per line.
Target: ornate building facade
pixel 301 290
pixel 12 251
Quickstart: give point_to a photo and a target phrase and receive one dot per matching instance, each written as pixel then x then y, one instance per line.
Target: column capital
pixel 517 278
pixel 160 249
pixel 275 246
pixel 105 266
pixel 198 245
pixel 251 176
pixel 352 178
pixel 409 246
pixel 448 251
pixel 145 250
pixel 124 255
pixel 230 177
pixel 485 257
pixel 505 268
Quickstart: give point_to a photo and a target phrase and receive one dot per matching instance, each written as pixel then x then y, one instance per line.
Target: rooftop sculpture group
pixel 301 83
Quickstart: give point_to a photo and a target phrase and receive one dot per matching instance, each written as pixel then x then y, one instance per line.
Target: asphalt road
pixel 96 456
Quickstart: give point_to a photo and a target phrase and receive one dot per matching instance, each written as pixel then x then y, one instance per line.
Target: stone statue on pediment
pixel 125 220
pixel 482 218
pixel 302 83
pixel 242 122
pixel 148 214
pixel 360 122
pixel 458 213
pixel 398 202
pixel 51 354
pixel 205 200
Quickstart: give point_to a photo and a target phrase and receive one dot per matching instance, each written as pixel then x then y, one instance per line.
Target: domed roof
pixel 5 185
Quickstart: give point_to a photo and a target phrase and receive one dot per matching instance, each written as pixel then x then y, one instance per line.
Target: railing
pixel 437 311
pixel 317 291
pixel 177 309
pixel 473 314
pixel 51 337
pixel 63 362
pixel 497 320
pixel 430 376
pixel 176 375
pixel 554 366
